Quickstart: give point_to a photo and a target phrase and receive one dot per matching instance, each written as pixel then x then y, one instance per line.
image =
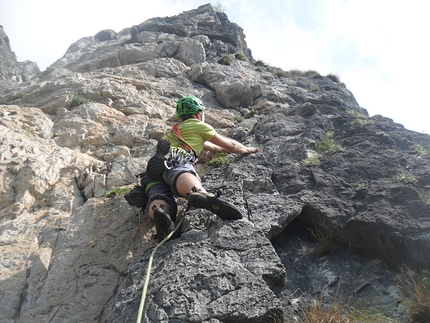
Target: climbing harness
pixel 179 156
pixel 148 272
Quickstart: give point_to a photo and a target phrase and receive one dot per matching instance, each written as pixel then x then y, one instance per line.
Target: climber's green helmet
pixel 189 105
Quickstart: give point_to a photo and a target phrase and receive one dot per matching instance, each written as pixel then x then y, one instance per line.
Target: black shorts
pixel 166 190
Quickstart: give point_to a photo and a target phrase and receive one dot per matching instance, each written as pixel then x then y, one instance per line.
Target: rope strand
pixel 148 272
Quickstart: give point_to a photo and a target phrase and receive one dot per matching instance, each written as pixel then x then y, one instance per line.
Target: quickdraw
pixel 179 156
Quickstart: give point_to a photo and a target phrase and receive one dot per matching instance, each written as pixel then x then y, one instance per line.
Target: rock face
pixel 13 72
pixel 73 251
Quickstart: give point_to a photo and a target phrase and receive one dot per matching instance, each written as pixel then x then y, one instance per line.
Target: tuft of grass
pixel 415 293
pixel 94 167
pixel 324 237
pixel 219 7
pixel 239 118
pixel 365 122
pixel 219 160
pixel 17 95
pixel 226 60
pixel 78 100
pixel 425 195
pixel 241 56
pixel 251 113
pixel 341 313
pixel 420 150
pixel 334 77
pixel 277 318
pixel 362 185
pixel 338 309
pixel 360 118
pixel 406 178
pixel 260 63
pixel 280 72
pixel 382 134
pixel 117 191
pixel 296 73
pixel 329 145
pixel 311 74
pixel 312 161
pixel 315 88
pixel 303 104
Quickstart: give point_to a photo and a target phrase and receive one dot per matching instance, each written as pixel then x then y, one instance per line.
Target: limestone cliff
pixel 74 251
pixel 13 72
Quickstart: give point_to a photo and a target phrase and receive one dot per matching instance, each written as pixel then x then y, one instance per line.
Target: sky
pixel 378 48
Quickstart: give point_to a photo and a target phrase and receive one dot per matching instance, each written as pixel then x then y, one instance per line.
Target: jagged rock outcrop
pixel 191 37
pixel 87 125
pixel 13 72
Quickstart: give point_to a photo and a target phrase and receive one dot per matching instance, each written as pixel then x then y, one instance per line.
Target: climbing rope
pixel 148 272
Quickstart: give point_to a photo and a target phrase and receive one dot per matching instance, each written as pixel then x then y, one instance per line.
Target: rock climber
pixel 171 172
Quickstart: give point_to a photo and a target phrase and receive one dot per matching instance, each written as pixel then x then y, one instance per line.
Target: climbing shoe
pixel 136 197
pixel 213 203
pixel 163 224
pixel 156 165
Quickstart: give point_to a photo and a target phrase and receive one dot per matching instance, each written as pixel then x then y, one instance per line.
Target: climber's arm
pixel 221 143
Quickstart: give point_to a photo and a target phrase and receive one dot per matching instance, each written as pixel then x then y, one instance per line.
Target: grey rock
pixel 89 124
pixel 12 72
pixel 212 270
pixel 105 35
